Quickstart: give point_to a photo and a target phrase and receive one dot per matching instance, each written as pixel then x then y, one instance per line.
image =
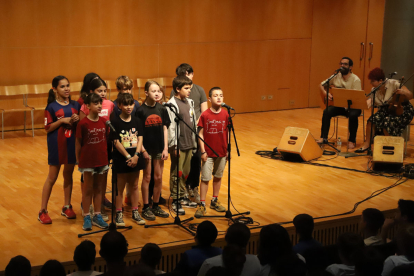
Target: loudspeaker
pixel 388 153
pixel 298 144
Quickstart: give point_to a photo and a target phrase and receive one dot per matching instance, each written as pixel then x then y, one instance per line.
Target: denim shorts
pixel 98 170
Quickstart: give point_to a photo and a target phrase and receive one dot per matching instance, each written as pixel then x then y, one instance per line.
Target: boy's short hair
pixel 151 255
pixel 18 266
pixel 238 234
pixel 373 218
pixel 206 233
pixel 52 267
pixel 407 209
pixel 84 255
pixel 304 225
pixel 114 247
pixel 93 98
pixel 183 69
pixel 210 93
pixel 124 81
pixel 349 245
pixel 125 99
pixel 180 81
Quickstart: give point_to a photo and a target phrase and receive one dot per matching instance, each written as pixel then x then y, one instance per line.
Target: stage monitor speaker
pixel 388 153
pixel 298 144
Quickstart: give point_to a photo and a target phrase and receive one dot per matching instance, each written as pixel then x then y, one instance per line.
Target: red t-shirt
pixel 93 152
pixel 215 131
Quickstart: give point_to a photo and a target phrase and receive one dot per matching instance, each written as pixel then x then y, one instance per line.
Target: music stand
pixel 350 99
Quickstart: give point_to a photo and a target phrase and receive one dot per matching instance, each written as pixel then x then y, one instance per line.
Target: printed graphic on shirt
pixel 214 126
pixel 153 120
pixel 96 135
pixel 103 113
pixel 129 139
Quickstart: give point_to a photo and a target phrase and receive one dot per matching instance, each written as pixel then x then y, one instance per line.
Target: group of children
pixel 93 130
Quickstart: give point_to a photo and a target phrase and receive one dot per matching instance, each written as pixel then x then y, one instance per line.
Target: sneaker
pixel 98 221
pixel 90 210
pixel 44 217
pixel 201 211
pixel 128 201
pixel 68 212
pixel 190 191
pixel 119 220
pixel 196 195
pixel 107 203
pixel 158 212
pixel 185 202
pixel 216 205
pixel 87 223
pixel 162 201
pixel 147 214
pixel 104 214
pixel 137 218
pixel 180 208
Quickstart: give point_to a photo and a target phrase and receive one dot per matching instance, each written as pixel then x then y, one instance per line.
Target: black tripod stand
pixel 112 225
pixel 228 213
pixel 177 220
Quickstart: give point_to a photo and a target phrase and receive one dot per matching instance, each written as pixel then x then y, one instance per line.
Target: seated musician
pixel 384 122
pixel 348 80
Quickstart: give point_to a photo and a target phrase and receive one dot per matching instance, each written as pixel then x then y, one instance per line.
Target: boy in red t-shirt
pixel 92 157
pixel 213 123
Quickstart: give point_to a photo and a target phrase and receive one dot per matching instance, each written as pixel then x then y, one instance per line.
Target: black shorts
pixel 119 164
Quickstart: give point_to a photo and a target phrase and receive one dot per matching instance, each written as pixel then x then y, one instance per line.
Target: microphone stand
pixel 228 214
pixel 177 220
pixel 112 225
pixel 325 140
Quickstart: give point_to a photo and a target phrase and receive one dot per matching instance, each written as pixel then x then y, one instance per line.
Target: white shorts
pixel 213 166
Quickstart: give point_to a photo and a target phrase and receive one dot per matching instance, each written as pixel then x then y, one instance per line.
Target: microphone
pixel 108 123
pixel 337 70
pixel 393 74
pixel 227 106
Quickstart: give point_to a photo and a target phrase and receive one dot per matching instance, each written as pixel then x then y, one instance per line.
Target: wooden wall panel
pixel 338 27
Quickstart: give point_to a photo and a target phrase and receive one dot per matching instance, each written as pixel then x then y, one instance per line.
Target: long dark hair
pixel 55 82
pixel 86 82
pixel 96 83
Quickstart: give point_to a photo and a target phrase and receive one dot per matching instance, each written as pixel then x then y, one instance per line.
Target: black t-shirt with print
pixel 154 119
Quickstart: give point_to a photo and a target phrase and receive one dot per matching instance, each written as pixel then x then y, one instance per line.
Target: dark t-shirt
pixel 186 135
pixel 154 119
pixel 198 96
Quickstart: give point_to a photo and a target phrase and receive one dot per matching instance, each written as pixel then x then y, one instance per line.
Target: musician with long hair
pixel 385 121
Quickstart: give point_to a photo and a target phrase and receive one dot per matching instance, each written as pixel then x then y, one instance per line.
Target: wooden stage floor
pixel 272 190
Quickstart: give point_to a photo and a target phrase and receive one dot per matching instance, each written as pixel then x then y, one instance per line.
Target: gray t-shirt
pixel 198 96
pixel 251 267
pixel 186 134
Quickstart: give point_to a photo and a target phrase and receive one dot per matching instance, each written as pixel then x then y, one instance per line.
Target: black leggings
pixel 336 111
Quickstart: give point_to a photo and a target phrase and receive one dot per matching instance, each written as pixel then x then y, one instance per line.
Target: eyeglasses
pixel 340 64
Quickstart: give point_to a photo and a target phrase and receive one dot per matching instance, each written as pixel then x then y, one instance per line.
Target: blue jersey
pixel 61 141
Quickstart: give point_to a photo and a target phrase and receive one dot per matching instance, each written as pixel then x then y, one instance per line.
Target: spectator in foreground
pixel 372 221
pixel 114 248
pixel 404 216
pixel 84 258
pixel 52 268
pixel 191 260
pixel 139 270
pixel 18 266
pixel 151 256
pixel 304 228
pixel 370 263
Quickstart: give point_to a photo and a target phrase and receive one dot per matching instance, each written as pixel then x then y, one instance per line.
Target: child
pixel 155 147
pixel 85 87
pixel 98 86
pixel 124 85
pixel 127 161
pixel 185 108
pixel 61 116
pixel 213 123
pixel 92 157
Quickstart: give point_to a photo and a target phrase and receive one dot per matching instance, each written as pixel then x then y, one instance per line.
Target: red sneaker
pixel 44 217
pixel 68 212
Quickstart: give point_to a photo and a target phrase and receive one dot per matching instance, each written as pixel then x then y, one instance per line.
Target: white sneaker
pixel 180 208
pixel 186 202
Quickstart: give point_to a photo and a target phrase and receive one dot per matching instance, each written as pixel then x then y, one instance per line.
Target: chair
pixel 141 84
pixel 13 99
pixel 344 117
pixel 111 90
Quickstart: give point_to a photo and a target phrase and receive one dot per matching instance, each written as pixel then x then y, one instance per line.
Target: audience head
pixel 185 70
pixel 406 208
pixel 238 234
pixel 206 233
pixel 151 255
pixel 234 258
pixel 304 225
pixel 52 268
pixel 370 263
pixel 405 241
pixel 274 243
pixel 124 84
pixel 114 247
pixel 140 270
pixel 372 220
pixel 349 246
pixel 84 256
pixel 180 82
pixel 18 266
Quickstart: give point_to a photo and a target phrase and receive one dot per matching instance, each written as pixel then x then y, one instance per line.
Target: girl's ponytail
pixel 52 97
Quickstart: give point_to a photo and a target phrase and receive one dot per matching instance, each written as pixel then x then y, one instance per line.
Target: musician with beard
pixel 347 80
